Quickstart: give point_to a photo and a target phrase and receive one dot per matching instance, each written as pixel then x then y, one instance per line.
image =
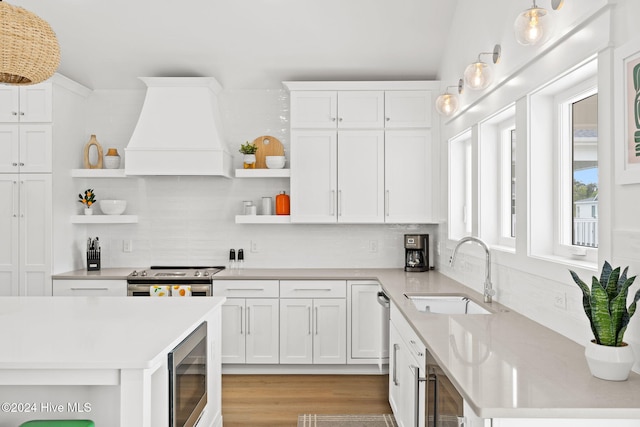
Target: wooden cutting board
pixel 267 146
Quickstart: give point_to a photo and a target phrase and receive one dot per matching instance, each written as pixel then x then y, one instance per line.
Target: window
pixel 508 180
pixel 563 167
pixel 460 186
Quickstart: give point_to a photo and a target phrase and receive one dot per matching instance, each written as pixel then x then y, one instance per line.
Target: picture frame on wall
pixel 626 75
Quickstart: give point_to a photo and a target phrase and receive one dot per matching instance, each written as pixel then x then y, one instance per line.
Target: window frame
pixel 563 126
pixel 505 129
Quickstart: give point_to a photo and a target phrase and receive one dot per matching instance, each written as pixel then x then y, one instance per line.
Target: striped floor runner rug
pixel 315 420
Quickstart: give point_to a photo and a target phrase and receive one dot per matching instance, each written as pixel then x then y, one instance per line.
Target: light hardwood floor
pixel 277 400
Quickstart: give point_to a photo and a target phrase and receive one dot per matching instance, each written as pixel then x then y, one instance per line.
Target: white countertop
pixel 95 332
pixel 504 364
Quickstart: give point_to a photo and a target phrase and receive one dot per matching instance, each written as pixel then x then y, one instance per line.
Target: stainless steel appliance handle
pixel 383 299
pixel 431 400
pixel 396 347
pixel 417 379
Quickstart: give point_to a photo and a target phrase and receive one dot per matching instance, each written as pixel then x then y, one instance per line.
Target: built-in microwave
pixel 188 379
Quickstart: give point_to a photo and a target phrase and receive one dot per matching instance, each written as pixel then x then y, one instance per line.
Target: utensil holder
pixel 93 260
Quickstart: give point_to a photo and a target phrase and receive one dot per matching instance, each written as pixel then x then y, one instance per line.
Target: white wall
pixel 533 286
pixel 190 220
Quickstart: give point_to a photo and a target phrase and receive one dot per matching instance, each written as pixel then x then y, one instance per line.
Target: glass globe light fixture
pixel 479 75
pixel 447 103
pixel 531 26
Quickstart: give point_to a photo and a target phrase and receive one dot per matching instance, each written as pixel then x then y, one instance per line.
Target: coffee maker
pixel 416 249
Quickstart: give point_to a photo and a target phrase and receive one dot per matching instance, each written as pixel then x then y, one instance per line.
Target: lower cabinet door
pixel 296 345
pixel 262 320
pixel 330 331
pixel 233 331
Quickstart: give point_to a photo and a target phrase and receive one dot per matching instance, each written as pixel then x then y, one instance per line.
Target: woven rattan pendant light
pixel 29 51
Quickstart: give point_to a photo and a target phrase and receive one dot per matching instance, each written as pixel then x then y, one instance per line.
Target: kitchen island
pixel 100 358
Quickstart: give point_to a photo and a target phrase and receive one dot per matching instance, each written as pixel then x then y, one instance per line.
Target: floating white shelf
pixel 98 173
pixel 263 219
pixel 104 219
pixel 263 173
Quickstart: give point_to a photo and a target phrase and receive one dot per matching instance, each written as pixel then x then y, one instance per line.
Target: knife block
pixel 93 260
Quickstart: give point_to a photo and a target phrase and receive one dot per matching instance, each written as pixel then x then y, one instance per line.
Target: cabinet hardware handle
pixel 248 320
pixel 333 202
pixel 21 164
pixel 340 119
pixel 388 119
pixel 310 289
pixel 89 289
pixel 14 113
pixel 241 320
pixel 416 348
pixel 245 289
pixel 14 164
pixel 461 421
pixel 22 113
pixel 339 202
pixel 386 202
pixel 316 320
pixel 309 323
pixel 333 119
pixel 396 347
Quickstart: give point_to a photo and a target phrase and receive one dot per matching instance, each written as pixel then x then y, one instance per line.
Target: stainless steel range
pixel 197 279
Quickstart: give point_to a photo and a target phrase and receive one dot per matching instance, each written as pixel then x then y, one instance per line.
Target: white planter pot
pixel 88 211
pixel 609 363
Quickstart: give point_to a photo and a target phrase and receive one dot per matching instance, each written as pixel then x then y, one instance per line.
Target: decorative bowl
pixel 112 207
pixel 274 162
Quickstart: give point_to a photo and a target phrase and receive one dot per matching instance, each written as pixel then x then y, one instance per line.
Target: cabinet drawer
pixel 313 289
pixel 413 343
pixel 246 288
pixel 83 288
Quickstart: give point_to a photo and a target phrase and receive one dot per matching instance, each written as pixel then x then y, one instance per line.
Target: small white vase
pixel 249 161
pixel 609 363
pixel 88 211
pixel 112 159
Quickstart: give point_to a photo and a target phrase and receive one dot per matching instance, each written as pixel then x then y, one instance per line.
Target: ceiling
pixel 246 44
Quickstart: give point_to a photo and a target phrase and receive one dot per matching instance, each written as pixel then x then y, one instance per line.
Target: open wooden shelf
pixel 263 173
pixel 104 219
pixel 98 173
pixel 263 219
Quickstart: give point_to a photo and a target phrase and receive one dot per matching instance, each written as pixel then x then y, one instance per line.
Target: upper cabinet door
pixel 26 104
pixel 408 109
pixel 9 104
pixel 314 177
pixel 314 109
pixel 361 110
pixel 408 176
pixel 36 150
pixel 36 104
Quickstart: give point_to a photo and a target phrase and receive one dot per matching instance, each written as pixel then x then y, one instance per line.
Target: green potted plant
pixel 605 305
pixel 88 199
pixel 249 151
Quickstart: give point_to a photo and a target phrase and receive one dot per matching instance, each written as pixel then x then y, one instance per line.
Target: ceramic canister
pixel 267 206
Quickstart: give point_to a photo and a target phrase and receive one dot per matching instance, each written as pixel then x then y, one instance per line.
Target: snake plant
pixel 606 304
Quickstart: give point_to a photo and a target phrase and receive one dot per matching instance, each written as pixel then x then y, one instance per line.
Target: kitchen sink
pixel 446 304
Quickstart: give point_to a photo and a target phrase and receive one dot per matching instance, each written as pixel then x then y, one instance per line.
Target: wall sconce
pixel 478 75
pixel 532 26
pixel 447 103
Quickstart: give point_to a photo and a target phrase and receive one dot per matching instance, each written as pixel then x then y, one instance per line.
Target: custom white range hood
pixel 178 132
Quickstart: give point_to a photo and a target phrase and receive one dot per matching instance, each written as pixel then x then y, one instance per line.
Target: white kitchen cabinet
pixel 338 176
pixel 90 288
pixel 408 176
pixel 337 109
pixel 25 226
pixel 367 324
pixel 407 373
pixel 26 104
pixel 408 109
pixel 313 329
pixel 25 148
pixel 251 320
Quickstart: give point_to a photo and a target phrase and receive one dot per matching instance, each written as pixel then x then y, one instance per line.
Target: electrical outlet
pixel 127 245
pixel 373 246
pixel 254 247
pixel 560 300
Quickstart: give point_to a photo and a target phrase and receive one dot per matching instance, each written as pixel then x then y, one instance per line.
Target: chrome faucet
pixel 488 288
